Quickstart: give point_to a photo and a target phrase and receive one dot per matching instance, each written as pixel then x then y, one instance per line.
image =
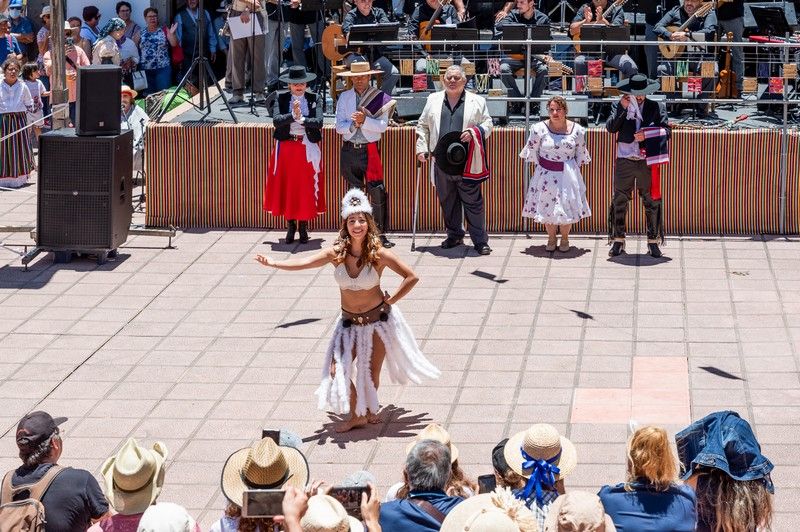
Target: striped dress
pixel 16 155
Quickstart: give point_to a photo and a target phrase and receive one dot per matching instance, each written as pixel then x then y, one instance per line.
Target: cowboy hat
pixel 638 85
pixel 451 153
pixel 127 90
pixel 297 74
pixel 540 442
pixel 326 514
pixel 134 477
pixel 435 432
pixel 498 511
pixel 578 511
pixel 265 465
pixel 359 68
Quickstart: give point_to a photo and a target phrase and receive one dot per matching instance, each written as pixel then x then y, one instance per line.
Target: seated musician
pixel 421 19
pixel 592 13
pixel 707 25
pixel 486 12
pixel 366 14
pixel 525 13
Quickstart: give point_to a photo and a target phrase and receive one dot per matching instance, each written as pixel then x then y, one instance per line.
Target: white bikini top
pixel 367 278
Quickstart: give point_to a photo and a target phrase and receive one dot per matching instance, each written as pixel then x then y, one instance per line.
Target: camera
pixel 350 497
pixel 263 503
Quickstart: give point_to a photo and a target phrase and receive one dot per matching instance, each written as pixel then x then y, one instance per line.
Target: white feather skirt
pixel 405 362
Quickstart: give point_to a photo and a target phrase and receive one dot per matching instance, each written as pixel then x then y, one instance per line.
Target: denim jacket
pixel 724 441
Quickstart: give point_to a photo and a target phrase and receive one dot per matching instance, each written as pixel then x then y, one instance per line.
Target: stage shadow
pixel 281 245
pixel 540 252
pixel 638 259
pixel 396 422
pixel 458 252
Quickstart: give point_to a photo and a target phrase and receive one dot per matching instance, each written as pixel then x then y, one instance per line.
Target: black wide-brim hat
pixel 638 85
pixel 297 74
pixel 451 153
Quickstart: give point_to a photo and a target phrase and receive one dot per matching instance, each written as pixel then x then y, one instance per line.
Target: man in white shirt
pixel 362 115
pixel 133 117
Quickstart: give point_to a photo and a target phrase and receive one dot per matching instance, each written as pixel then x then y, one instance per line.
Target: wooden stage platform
pixel 719 181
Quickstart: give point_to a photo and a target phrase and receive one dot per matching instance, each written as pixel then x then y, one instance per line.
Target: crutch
pixel 416 207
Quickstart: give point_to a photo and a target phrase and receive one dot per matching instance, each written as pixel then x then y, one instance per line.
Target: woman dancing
pixel 557 194
pixel 370 329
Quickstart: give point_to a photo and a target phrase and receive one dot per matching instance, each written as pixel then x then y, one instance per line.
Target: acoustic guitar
pixel 607 12
pixel 426 25
pixel 726 88
pixel 673 49
pixel 334 43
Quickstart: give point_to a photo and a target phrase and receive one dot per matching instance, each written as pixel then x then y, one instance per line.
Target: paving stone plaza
pixel 200 347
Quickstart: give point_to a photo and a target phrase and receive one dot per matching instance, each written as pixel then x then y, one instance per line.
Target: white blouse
pixel 15 98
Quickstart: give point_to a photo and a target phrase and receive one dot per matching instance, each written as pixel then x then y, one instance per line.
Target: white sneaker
pixel 236 98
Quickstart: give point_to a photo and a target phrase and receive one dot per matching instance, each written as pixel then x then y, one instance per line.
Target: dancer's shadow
pixel 542 253
pixel 396 422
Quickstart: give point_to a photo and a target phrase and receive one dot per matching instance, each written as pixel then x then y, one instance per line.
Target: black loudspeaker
pixel 99 100
pixel 84 191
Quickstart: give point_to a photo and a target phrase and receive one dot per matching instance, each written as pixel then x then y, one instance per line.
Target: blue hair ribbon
pixel 543 472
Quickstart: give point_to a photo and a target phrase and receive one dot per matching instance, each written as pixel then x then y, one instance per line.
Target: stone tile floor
pixel 201 348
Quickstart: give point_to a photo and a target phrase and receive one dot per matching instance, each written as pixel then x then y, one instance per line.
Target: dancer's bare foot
pixel 352 423
pixel 374 418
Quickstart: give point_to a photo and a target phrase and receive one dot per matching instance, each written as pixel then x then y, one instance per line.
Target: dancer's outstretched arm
pixel 402 269
pixel 304 263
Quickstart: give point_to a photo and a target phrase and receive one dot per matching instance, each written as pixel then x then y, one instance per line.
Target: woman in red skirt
pixel 295 181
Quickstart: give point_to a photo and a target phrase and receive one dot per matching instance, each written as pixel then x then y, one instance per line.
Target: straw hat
pixel 498 511
pixel 46 11
pixel 541 442
pixel 578 511
pixel 436 432
pixel 359 68
pixel 127 90
pixel 265 465
pixel 326 514
pixel 134 477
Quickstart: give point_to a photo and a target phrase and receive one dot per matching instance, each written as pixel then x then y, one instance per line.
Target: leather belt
pixel 379 313
pixel 358 145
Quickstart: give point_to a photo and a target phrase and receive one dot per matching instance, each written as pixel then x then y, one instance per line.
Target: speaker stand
pixel 201 63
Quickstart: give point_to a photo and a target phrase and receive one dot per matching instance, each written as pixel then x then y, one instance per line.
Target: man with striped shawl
pixel 362 115
pixel 642 145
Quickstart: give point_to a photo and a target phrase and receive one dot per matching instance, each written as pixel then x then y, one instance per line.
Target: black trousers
pixel 628 173
pixel 353 166
pixel 455 193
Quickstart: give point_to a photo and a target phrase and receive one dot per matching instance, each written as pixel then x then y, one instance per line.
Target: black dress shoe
pixel 654 251
pixel 483 249
pixel 291 229
pixel 385 242
pixel 303 232
pixel 452 242
pixel 617 249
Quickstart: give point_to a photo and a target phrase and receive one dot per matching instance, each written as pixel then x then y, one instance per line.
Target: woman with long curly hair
pixel 652 499
pixel 370 327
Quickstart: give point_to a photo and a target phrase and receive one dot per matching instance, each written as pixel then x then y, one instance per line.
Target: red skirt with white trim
pixel 295 187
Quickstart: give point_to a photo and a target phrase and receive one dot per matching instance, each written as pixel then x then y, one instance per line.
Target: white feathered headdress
pixel 355 201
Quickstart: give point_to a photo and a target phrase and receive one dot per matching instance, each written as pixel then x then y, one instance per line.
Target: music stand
pixel 771 20
pixel 375 34
pixel 513 32
pixel 601 32
pixel 540 33
pixel 453 35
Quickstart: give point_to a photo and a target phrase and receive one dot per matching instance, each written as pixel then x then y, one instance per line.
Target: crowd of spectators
pixel 718 482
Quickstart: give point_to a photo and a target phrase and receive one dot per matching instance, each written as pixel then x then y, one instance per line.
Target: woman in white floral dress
pixel 557 194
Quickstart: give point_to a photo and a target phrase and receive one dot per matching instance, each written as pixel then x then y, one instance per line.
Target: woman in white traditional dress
pixel 557 194
pixel 370 329
pixel 16 155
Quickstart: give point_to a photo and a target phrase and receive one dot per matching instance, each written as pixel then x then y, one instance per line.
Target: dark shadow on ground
pixel 396 422
pixel 540 252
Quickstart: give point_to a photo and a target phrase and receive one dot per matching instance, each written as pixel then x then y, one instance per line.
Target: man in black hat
pixel 642 135
pixel 73 499
pixel 454 110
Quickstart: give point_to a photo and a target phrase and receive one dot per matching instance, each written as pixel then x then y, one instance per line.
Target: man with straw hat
pixel 543 457
pixel 642 144
pixel 133 118
pixel 362 115
pixel 133 481
pixel 265 465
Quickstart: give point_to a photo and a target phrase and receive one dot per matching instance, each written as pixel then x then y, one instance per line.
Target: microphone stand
pixel 253 58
